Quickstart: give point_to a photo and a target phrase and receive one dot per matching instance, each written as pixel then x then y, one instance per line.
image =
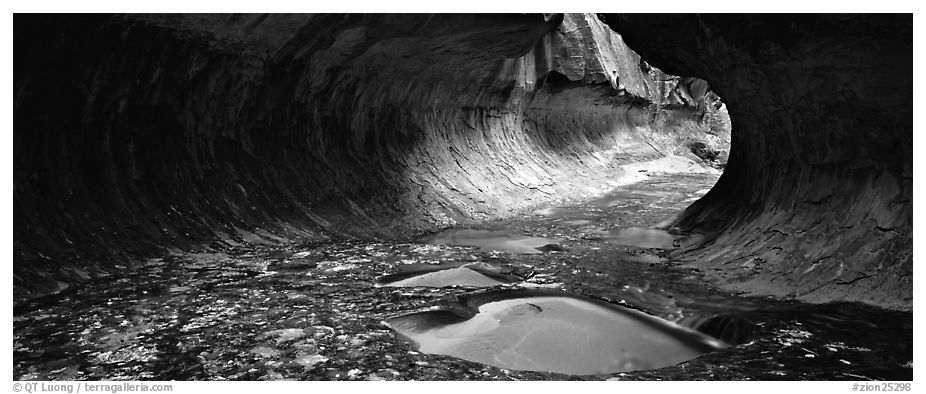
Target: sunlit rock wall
pixel 135 135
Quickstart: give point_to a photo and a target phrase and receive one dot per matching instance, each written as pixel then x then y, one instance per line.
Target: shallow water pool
pixel 503 241
pixel 558 334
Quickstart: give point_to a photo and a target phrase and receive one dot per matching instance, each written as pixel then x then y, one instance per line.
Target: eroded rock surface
pixel 135 134
pixel 816 201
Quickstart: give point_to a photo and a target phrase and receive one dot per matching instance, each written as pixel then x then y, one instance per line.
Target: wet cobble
pixel 312 312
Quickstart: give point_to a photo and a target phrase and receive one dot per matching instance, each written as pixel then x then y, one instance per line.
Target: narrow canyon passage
pixel 361 196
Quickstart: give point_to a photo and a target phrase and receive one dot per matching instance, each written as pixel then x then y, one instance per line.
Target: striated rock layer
pixel 816 202
pixel 138 134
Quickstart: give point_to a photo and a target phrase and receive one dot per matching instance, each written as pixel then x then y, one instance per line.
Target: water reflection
pixel 503 241
pixel 644 238
pixel 195 316
pixel 563 334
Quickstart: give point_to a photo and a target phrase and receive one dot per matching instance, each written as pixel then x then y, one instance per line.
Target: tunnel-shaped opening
pixel 184 172
pixel 394 127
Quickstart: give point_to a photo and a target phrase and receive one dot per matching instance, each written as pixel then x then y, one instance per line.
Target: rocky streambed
pixel 328 311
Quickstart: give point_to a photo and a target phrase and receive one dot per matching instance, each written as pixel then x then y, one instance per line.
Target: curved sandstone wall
pixel 139 134
pixel 817 199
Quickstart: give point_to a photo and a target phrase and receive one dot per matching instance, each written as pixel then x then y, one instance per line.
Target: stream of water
pixel 332 310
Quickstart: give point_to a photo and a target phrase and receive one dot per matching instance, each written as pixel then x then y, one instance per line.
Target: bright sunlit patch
pixel 460 276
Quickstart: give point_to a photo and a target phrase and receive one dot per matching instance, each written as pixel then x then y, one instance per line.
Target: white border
pixel 466 6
